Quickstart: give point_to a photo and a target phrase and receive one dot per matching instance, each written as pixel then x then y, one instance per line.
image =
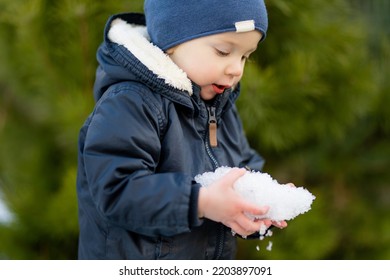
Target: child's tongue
pixel 218 88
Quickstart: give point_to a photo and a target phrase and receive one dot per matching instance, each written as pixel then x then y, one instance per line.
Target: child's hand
pixel 219 202
pixel 278 224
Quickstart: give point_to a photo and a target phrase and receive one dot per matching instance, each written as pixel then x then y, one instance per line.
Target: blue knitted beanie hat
pixel 172 22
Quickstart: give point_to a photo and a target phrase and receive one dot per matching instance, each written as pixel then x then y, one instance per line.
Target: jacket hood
pixel 127 54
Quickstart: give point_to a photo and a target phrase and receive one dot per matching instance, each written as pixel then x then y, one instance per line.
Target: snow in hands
pixel 285 201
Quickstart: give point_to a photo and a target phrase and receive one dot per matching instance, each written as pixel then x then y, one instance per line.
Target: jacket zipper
pixel 212 127
pixel 212 122
pixel 211 140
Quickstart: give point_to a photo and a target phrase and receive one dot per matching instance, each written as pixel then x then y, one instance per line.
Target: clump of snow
pixel 285 201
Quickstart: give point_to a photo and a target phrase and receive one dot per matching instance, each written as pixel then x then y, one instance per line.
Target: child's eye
pixel 221 53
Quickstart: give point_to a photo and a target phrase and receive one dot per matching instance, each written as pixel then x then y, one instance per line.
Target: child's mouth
pixel 218 88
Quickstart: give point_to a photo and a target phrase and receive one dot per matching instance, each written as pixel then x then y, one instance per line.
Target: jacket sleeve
pixel 121 152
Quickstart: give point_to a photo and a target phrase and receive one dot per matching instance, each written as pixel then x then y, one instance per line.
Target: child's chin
pixel 207 94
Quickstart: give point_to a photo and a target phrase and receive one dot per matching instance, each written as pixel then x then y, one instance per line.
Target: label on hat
pixel 245 26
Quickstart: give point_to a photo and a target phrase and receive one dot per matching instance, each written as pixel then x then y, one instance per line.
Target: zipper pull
pixel 212 127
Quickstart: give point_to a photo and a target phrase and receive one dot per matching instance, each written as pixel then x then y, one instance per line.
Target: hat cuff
pixel 196 36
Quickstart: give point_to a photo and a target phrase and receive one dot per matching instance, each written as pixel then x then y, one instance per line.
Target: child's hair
pixel 172 22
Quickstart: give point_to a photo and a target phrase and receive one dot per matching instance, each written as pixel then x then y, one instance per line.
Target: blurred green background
pixel 315 104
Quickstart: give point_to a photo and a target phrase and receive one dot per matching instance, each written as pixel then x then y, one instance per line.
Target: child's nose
pixel 235 68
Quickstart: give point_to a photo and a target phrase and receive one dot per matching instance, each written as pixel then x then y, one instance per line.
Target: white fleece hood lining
pixel 136 40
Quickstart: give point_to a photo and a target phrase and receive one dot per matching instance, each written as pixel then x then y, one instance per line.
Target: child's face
pixel 215 62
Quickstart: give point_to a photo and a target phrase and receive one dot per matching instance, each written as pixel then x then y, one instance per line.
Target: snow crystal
pixel 269 247
pixel 263 229
pixel 285 201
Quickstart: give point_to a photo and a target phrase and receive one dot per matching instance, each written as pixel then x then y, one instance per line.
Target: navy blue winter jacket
pixel 140 149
